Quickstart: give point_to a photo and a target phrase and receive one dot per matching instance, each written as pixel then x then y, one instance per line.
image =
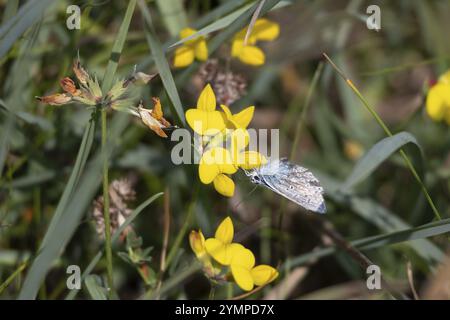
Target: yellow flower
pixel 438 99
pixel 239 120
pixel 240 138
pixel 221 247
pixel 191 49
pixel 353 149
pixel 205 119
pixel 197 242
pixel 214 165
pixel 264 30
pixel 244 272
pixel 234 121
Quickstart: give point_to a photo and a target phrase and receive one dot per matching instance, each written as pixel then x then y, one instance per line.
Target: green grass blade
pixel 80 163
pixel 379 153
pixel 425 231
pixel 11 278
pixel 377 215
pixel 388 132
pixel 173 15
pixel 117 48
pixel 67 224
pixel 215 14
pixel 162 65
pixel 96 291
pixel 14 28
pixel 241 22
pixel 216 25
pixel 10 10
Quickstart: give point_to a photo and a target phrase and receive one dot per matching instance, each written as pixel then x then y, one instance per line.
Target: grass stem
pixel 106 216
pixel 388 132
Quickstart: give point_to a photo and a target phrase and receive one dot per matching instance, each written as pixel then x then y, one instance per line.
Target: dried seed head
pixel 80 73
pixel 57 99
pixel 120 192
pixel 228 86
pixel 68 86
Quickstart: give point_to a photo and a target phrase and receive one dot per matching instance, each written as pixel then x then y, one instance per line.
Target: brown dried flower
pixel 120 192
pixel 153 118
pixel 68 86
pixel 228 86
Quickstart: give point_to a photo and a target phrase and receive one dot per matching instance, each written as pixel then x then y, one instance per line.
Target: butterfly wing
pixel 295 183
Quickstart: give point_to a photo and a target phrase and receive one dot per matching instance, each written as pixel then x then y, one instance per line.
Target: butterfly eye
pixel 256 179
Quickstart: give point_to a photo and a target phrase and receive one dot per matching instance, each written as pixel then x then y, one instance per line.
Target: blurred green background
pixel 370 192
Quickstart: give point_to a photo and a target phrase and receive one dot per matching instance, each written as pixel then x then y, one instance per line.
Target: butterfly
pixel 292 181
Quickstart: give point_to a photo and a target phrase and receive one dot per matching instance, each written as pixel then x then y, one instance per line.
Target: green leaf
pixel 216 25
pixel 117 48
pixel 96 291
pixel 80 163
pixel 173 14
pixel 424 231
pixel 379 153
pixel 242 21
pixel 378 215
pixel 14 28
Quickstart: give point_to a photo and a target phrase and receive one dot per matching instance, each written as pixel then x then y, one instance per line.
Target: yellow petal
pixel 265 30
pixel 445 78
pixel 197 242
pixel 207 99
pixel 230 123
pixel 225 231
pixel 251 159
pixel 242 256
pixel 240 138
pixel 215 123
pixel 197 120
pixel 242 277
pixel 236 47
pixel 244 117
pixel 224 160
pixel 438 100
pixel 227 112
pixel 184 56
pixel 218 156
pixel 205 122
pixel 263 274
pixel 201 50
pixel 252 55
pixel 218 250
pixel 207 171
pixel 241 34
pixel 224 185
pixel 187 32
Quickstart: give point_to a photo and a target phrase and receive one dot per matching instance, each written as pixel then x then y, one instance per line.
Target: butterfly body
pixel 291 181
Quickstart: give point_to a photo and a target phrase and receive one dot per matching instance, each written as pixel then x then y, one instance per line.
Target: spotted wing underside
pixel 294 182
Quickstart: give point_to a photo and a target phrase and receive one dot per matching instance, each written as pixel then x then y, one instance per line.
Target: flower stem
pixel 212 292
pixel 106 216
pixel 388 132
pixel 179 239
